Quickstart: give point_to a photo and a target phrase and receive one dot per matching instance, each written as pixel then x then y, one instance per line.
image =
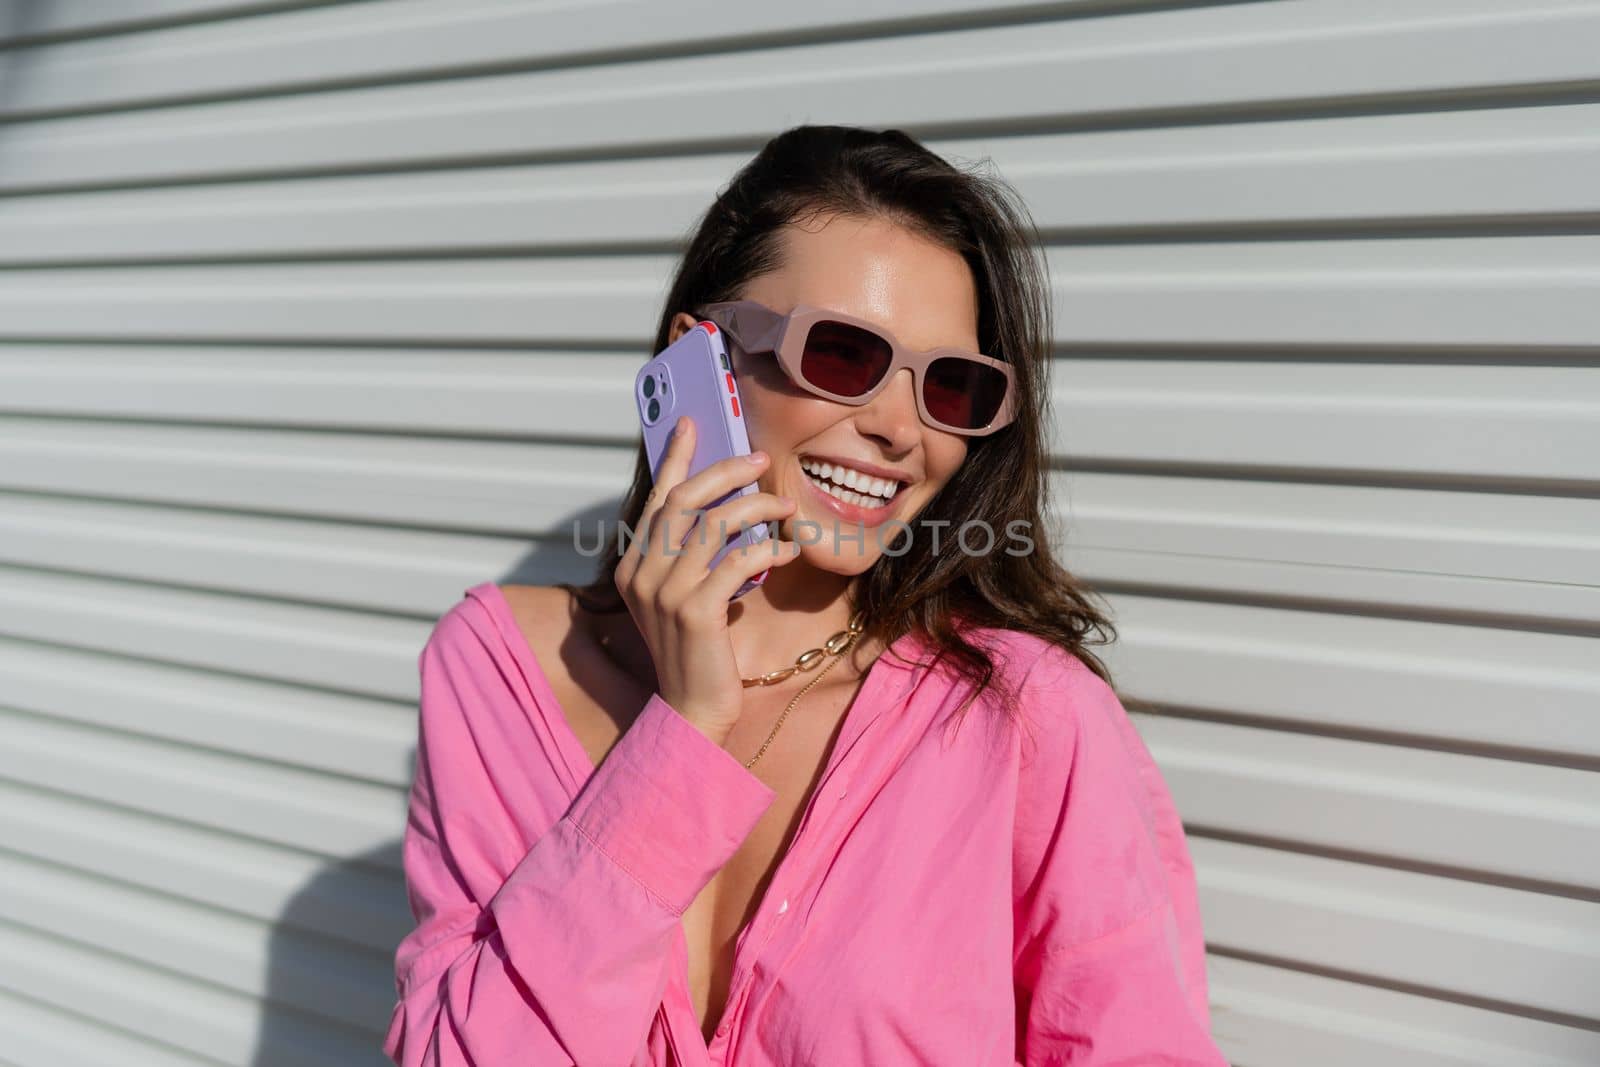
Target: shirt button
pixel 722 1028
pixel 784 906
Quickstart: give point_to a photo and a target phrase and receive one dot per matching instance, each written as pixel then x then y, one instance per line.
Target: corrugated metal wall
pixel 314 314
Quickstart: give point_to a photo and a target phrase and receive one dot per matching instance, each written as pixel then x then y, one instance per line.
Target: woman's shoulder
pixel 490 632
pixel 1030 661
pixel 492 659
pixel 1047 687
pixel 492 614
pixel 542 612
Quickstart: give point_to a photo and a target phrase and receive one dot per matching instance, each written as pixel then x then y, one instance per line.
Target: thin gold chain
pixel 787 710
pixel 834 646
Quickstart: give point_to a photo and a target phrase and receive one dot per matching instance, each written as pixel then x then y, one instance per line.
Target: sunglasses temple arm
pixel 762 329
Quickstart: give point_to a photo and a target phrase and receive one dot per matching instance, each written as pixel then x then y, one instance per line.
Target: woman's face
pixel 925 296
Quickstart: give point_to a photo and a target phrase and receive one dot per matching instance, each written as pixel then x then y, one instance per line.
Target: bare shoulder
pixel 543 613
pixel 597 699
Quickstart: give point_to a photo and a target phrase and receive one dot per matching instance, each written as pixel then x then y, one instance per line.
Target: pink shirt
pixel 967 899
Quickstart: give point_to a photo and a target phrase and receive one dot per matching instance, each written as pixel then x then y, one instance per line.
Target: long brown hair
pixel 846 170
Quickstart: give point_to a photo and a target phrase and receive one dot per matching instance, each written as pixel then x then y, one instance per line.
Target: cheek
pixel 945 457
pixel 778 422
pixel 945 460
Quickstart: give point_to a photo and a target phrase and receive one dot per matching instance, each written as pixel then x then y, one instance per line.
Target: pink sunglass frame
pixel 757 328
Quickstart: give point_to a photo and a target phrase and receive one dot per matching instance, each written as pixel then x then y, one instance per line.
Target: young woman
pixel 884 809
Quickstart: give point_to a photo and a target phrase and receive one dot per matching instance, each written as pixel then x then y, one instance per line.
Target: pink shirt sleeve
pixel 1109 958
pixel 555 950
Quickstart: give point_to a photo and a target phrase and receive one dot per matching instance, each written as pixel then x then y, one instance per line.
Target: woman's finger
pixel 742 564
pixel 725 520
pixel 674 465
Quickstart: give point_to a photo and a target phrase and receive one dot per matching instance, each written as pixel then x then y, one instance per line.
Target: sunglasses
pixel 849 360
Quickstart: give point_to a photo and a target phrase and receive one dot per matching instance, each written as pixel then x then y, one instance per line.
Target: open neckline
pixel 858 716
pixel 555 714
pixel 549 707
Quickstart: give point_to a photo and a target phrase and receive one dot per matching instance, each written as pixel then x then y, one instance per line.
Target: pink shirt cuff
pixel 670 806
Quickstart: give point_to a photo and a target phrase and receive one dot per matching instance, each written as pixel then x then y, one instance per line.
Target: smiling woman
pixel 638 837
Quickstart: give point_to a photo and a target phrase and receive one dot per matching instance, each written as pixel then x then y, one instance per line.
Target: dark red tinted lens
pixel 844 359
pixel 963 392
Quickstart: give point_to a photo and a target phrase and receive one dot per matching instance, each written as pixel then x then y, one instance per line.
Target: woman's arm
pixel 1109 959
pixel 554 954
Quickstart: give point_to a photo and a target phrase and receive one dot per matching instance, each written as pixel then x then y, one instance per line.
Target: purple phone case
pixel 694 377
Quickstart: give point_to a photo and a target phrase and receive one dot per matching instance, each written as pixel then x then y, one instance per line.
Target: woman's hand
pixel 678 604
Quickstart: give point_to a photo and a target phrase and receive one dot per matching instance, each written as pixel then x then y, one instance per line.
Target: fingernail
pixel 682 424
pixel 757 456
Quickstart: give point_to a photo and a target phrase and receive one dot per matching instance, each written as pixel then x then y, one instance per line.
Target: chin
pixel 823 554
pixel 849 563
pixel 843 556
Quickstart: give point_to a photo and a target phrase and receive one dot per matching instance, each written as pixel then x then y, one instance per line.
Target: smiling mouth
pixel 869 493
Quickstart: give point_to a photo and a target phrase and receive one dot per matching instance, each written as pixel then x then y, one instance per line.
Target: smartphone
pixel 693 376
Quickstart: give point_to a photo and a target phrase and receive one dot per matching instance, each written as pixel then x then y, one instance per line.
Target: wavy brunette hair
pixel 815 170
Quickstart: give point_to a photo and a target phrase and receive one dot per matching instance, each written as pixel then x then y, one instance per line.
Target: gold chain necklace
pixel 834 646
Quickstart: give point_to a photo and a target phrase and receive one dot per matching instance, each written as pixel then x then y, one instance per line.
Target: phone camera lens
pixel 654 410
pixel 649 387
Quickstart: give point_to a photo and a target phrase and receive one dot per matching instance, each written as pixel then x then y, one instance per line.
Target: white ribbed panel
pixel 313 314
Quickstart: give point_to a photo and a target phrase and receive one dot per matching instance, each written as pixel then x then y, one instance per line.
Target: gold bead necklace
pixel 834 646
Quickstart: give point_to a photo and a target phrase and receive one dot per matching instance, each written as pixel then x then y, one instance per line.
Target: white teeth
pixel 847 496
pixel 850 482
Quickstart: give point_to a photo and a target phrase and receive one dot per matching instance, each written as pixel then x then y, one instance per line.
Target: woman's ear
pixel 682 323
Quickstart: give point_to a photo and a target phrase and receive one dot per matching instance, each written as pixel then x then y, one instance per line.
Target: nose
pixel 892 415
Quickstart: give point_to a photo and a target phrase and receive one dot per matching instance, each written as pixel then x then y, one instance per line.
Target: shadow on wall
pixel 329 986
pixel 329 983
